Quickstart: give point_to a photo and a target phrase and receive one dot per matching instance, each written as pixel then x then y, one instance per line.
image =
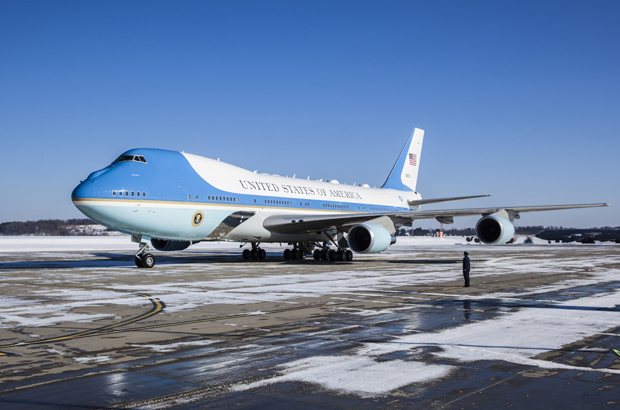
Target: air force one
pixel 171 200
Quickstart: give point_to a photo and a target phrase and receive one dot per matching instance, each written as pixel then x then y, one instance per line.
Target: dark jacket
pixel 466 264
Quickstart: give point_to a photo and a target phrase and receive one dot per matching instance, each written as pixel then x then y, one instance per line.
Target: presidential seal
pixel 198 217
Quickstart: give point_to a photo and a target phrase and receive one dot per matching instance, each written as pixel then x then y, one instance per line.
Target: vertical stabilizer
pixel 404 175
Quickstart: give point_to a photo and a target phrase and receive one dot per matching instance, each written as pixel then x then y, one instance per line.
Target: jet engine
pixel 494 230
pixel 369 238
pixel 166 245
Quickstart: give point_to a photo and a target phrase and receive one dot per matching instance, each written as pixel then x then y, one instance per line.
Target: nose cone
pixel 84 190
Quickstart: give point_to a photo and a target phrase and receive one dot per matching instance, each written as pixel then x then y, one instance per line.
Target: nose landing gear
pixel 143 258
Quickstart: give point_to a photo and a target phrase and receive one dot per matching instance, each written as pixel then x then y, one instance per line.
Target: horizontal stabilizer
pixel 417 202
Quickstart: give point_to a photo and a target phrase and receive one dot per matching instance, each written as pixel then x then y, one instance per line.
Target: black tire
pixel 317 255
pixel 148 260
pixel 287 254
pixel 246 254
pixel 332 255
pixel 262 254
pixel 325 255
pixel 340 256
pixel 254 254
pixel 138 262
pixel 348 255
pixel 301 255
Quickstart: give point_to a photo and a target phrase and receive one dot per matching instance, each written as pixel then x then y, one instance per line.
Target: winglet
pixel 404 174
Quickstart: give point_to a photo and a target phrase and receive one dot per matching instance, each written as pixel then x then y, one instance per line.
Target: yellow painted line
pixel 108 330
pixel 158 306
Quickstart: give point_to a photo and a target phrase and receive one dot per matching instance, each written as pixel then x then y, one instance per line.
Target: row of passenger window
pixel 222 198
pixel 275 202
pixel 127 193
pixel 336 206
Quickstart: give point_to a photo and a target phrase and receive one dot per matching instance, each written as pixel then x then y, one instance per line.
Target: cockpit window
pixel 134 158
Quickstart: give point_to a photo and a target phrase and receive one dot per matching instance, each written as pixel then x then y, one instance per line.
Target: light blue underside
pixel 158 222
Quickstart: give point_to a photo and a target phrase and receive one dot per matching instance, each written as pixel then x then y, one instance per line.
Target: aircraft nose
pixel 84 190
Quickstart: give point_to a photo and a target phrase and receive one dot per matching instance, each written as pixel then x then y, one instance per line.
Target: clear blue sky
pixel 519 99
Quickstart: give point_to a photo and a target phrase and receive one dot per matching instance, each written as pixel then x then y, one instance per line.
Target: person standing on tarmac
pixel 466 268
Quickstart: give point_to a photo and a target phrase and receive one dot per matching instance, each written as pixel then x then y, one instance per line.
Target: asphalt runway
pixel 86 329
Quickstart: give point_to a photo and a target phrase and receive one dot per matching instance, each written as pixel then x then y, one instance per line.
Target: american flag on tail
pixel 413 159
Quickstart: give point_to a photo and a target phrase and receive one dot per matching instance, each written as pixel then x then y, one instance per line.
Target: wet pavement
pixel 376 333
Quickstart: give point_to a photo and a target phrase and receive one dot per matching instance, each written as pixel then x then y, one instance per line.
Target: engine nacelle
pixel 166 245
pixel 369 238
pixel 494 230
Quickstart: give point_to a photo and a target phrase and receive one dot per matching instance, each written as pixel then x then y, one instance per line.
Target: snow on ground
pixel 174 346
pixel 65 243
pixel 354 374
pixel 123 242
pixel 96 359
pixel 285 284
pixel 515 336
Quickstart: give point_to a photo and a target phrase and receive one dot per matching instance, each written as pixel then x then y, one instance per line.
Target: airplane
pixel 170 200
pixel 580 235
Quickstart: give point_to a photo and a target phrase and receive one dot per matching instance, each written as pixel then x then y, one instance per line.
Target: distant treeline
pixel 44 227
pixel 519 230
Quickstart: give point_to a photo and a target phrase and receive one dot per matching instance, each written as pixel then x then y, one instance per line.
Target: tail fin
pixel 404 174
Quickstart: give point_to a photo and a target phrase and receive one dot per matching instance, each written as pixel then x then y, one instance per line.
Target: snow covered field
pixel 123 242
pixel 517 336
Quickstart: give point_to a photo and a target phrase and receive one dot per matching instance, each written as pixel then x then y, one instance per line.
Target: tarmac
pixel 86 329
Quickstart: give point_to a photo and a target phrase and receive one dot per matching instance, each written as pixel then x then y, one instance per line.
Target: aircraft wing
pixel 436 200
pixel 291 224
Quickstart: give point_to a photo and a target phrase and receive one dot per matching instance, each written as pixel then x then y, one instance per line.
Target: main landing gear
pixel 327 254
pixel 255 254
pixel 297 253
pixel 144 259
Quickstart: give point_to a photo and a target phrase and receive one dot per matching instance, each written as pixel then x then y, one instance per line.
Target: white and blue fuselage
pixel 176 196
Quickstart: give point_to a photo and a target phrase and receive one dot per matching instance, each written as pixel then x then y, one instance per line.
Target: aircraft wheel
pixel 332 255
pixel 148 260
pixel 317 255
pixel 246 254
pixel 301 255
pixel 348 255
pixel 262 254
pixel 138 262
pixel 287 254
pixel 340 255
pixel 254 254
pixel 325 255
